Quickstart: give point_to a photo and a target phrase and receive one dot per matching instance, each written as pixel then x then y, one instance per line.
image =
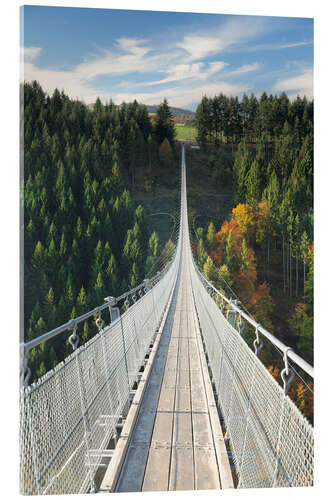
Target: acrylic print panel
pixel 167 331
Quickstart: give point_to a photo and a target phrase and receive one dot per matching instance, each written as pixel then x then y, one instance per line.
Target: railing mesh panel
pixel 271 442
pixel 71 413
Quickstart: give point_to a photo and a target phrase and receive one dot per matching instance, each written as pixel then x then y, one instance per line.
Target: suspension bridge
pixel 166 396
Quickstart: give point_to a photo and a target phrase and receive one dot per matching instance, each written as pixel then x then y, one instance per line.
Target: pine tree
pixel 164 128
pixel 38 258
pixel 112 278
pixel 253 184
pixel 229 257
pixel 82 302
pixel 209 270
pixel 165 154
pixel 50 309
pixel 304 248
pixel 244 257
pixel 202 118
pixel 153 244
pixel 210 236
pixel 99 289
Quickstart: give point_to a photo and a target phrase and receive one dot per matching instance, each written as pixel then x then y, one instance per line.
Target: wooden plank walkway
pixel 172 438
pixel 177 442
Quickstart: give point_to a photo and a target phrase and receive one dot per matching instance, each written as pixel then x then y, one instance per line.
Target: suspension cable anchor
pixel 74 339
pixel 285 375
pixel 25 370
pixel 99 322
pixel 111 299
pixel 258 343
pixel 147 285
pixel 241 324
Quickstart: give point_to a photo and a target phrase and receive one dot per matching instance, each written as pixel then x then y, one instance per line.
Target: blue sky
pixel 144 55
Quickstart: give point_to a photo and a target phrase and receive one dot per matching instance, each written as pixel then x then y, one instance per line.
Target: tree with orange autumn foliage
pixel 245 216
pixel 232 250
pixel 262 305
pixel 227 243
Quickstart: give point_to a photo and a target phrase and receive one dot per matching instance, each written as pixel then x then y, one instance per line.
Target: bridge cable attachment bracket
pixel 25 370
pixel 147 285
pixel 241 324
pixel 99 322
pixel 258 343
pixel 126 303
pixel 74 338
pixel 113 302
pixel 287 375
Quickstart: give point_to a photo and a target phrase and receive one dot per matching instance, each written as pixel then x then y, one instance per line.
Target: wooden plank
pixel 167 397
pixel 199 402
pixel 156 476
pixel 202 432
pixel 183 378
pixel 183 400
pixel 206 471
pixel 162 434
pixel 182 429
pixel 225 474
pixel 170 378
pixel 181 469
pixel 171 363
pixel 157 470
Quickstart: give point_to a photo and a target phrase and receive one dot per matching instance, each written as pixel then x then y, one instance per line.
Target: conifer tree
pixel 210 236
pixel 164 128
pixel 165 154
pixel 99 289
pixel 253 184
pixel 209 270
pixel 82 302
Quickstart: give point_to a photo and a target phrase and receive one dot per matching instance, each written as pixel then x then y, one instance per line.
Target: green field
pixel 183 132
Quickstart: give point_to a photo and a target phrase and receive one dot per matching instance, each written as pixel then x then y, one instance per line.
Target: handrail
pixel 27 346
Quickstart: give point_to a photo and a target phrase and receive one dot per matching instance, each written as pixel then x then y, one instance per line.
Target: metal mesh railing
pixel 70 414
pixel 271 441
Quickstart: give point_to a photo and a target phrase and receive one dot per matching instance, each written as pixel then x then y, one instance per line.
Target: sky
pixel 148 56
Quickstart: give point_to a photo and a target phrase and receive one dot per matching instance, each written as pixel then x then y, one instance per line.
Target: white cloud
pixel 69 81
pixel 133 45
pixel 179 61
pixel 198 47
pixel 234 31
pixel 129 56
pixel 301 84
pixel 291 45
pixel 275 46
pixel 179 65
pixel 199 71
pixel 131 59
pixel 30 53
pixel 246 68
pixel 182 95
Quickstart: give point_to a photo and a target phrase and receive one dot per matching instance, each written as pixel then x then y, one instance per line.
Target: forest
pixel 263 253
pixel 84 236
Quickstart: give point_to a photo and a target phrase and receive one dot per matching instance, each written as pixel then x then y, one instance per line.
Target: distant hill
pixel 152 108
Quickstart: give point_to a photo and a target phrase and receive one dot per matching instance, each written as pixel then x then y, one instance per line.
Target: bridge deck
pixel 177 442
